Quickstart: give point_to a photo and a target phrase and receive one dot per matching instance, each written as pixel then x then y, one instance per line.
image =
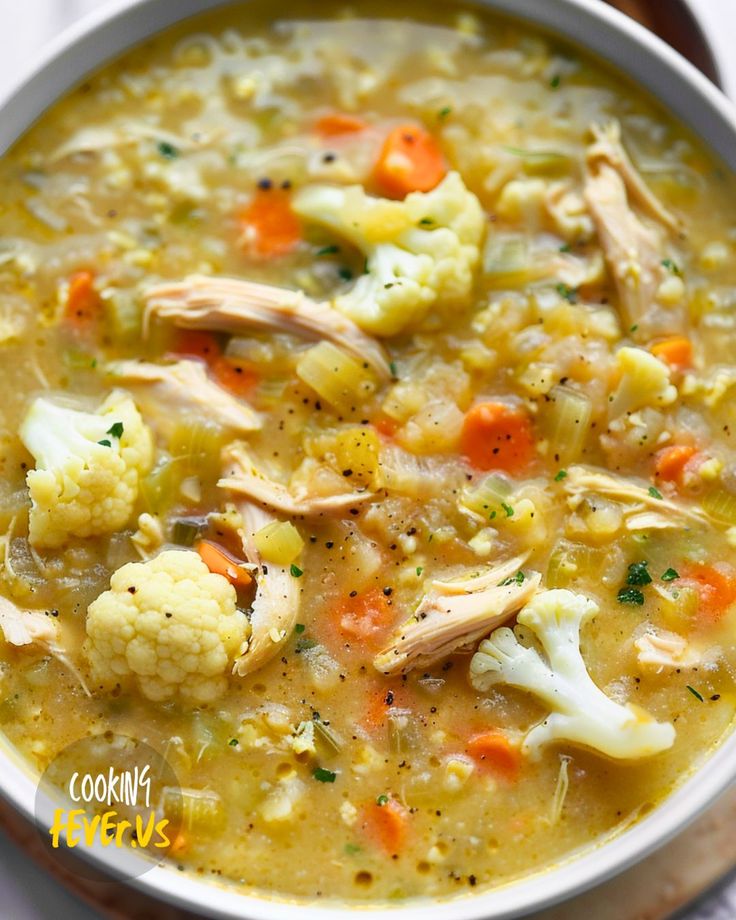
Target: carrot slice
pixel 497 437
pixel 335 123
pixel 191 343
pixel 677 352
pixel 380 704
pixel 670 463
pixel 716 587
pixel 220 562
pixel 83 302
pixel 385 426
pixel 234 376
pixel 493 751
pixel 269 228
pixel 410 161
pixel 365 617
pixel 386 825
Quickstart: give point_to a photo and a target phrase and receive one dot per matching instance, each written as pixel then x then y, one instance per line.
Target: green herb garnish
pixel 328 250
pixel 671 266
pixel 233 742
pixel 116 430
pixel 634 327
pixel 105 443
pixel 345 273
pixel 517 579
pixel 638 574
pixel 419 570
pixel 669 575
pixel 555 81
pixel 426 222
pixel 508 509
pixel 382 800
pixel 393 369
pixel 655 493
pixel 560 475
pixel 566 247
pixel 304 643
pixel 630 596
pixel 568 293
pixel 299 628
pixel 444 112
pixel 695 693
pixel 324 776
pixel 167 150
pixel 295 571
pixel 352 848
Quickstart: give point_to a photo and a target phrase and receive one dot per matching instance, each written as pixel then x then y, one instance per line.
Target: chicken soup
pixel 366 444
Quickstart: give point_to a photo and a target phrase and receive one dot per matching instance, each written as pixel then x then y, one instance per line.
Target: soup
pixel 367 444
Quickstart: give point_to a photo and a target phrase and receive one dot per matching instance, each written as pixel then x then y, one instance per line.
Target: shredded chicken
pixel 245 478
pixel 661 649
pixel 633 250
pixel 454 614
pixel 232 305
pixel 276 605
pixel 642 507
pixel 184 386
pixel 37 628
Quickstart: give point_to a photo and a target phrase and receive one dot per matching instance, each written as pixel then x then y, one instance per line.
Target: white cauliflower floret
pixel 169 626
pixel 644 381
pixel 580 711
pixel 419 251
pixel 88 468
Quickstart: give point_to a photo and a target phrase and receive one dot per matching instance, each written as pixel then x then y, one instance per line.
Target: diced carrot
pixel 386 825
pixel 220 562
pixel 410 161
pixel 496 436
pixel 670 463
pixel 234 376
pixel 677 352
pixel 269 228
pixel 385 426
pixel 365 617
pixel 83 302
pixel 493 751
pixel 387 697
pixel 335 123
pixel 716 587
pixel 191 343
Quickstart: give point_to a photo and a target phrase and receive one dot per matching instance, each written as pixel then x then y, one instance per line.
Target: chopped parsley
pixel 517 579
pixel 630 596
pixel 695 693
pixel 638 574
pixel 328 250
pixel 426 222
pixel 345 273
pixel 233 742
pixel 167 150
pixel 634 327
pixel 671 266
pixel 105 443
pixel 669 575
pixel 566 247
pixel 324 776
pixel 116 430
pixel 299 628
pixel 655 493
pixel 568 293
pixel 382 800
pixel 295 571
pixel 392 367
pixel 508 509
pixel 352 848
pixel 555 81
pixel 444 112
pixel 419 570
pixel 560 475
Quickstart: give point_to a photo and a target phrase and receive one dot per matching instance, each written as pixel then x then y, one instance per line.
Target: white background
pixel 26 893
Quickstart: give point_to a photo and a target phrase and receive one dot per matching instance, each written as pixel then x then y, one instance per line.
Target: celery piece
pixel 123 314
pixel 488 497
pixel 720 504
pixel 565 422
pixel 336 377
pixel 278 542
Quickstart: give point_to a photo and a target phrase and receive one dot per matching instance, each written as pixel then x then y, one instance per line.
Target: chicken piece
pixel 661 649
pixel 233 305
pixel 183 386
pixel 637 499
pixel 244 478
pixel 276 605
pixel 35 628
pixel 633 250
pixel 455 614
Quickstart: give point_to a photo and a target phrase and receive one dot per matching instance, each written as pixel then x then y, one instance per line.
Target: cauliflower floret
pixel 88 468
pixel 419 251
pixel 169 626
pixel 644 381
pixel 580 712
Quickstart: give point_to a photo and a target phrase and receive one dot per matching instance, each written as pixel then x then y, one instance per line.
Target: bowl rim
pixel 686 93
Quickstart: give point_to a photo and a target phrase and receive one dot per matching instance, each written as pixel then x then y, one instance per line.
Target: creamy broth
pixel 537 369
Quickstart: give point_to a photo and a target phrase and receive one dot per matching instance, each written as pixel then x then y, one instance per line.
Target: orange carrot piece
pixel 716 587
pixel 670 463
pixel 386 825
pixel 234 376
pixel 677 352
pixel 191 343
pixel 334 124
pixel 220 562
pixel 365 617
pixel 83 302
pixel 410 161
pixel 269 228
pixel 496 436
pixel 380 704
pixel 492 751
pixel 385 426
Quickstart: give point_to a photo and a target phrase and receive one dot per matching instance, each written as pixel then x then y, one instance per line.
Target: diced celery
pixel 488 496
pixel 160 488
pixel 196 810
pixel 506 260
pixel 124 315
pixel 326 737
pixel 720 504
pixel 565 422
pixel 279 542
pixel 197 445
pixel 541 161
pixel 335 376
pixel 185 531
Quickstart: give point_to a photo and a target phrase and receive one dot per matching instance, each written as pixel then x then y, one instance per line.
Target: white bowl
pixel 689 96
